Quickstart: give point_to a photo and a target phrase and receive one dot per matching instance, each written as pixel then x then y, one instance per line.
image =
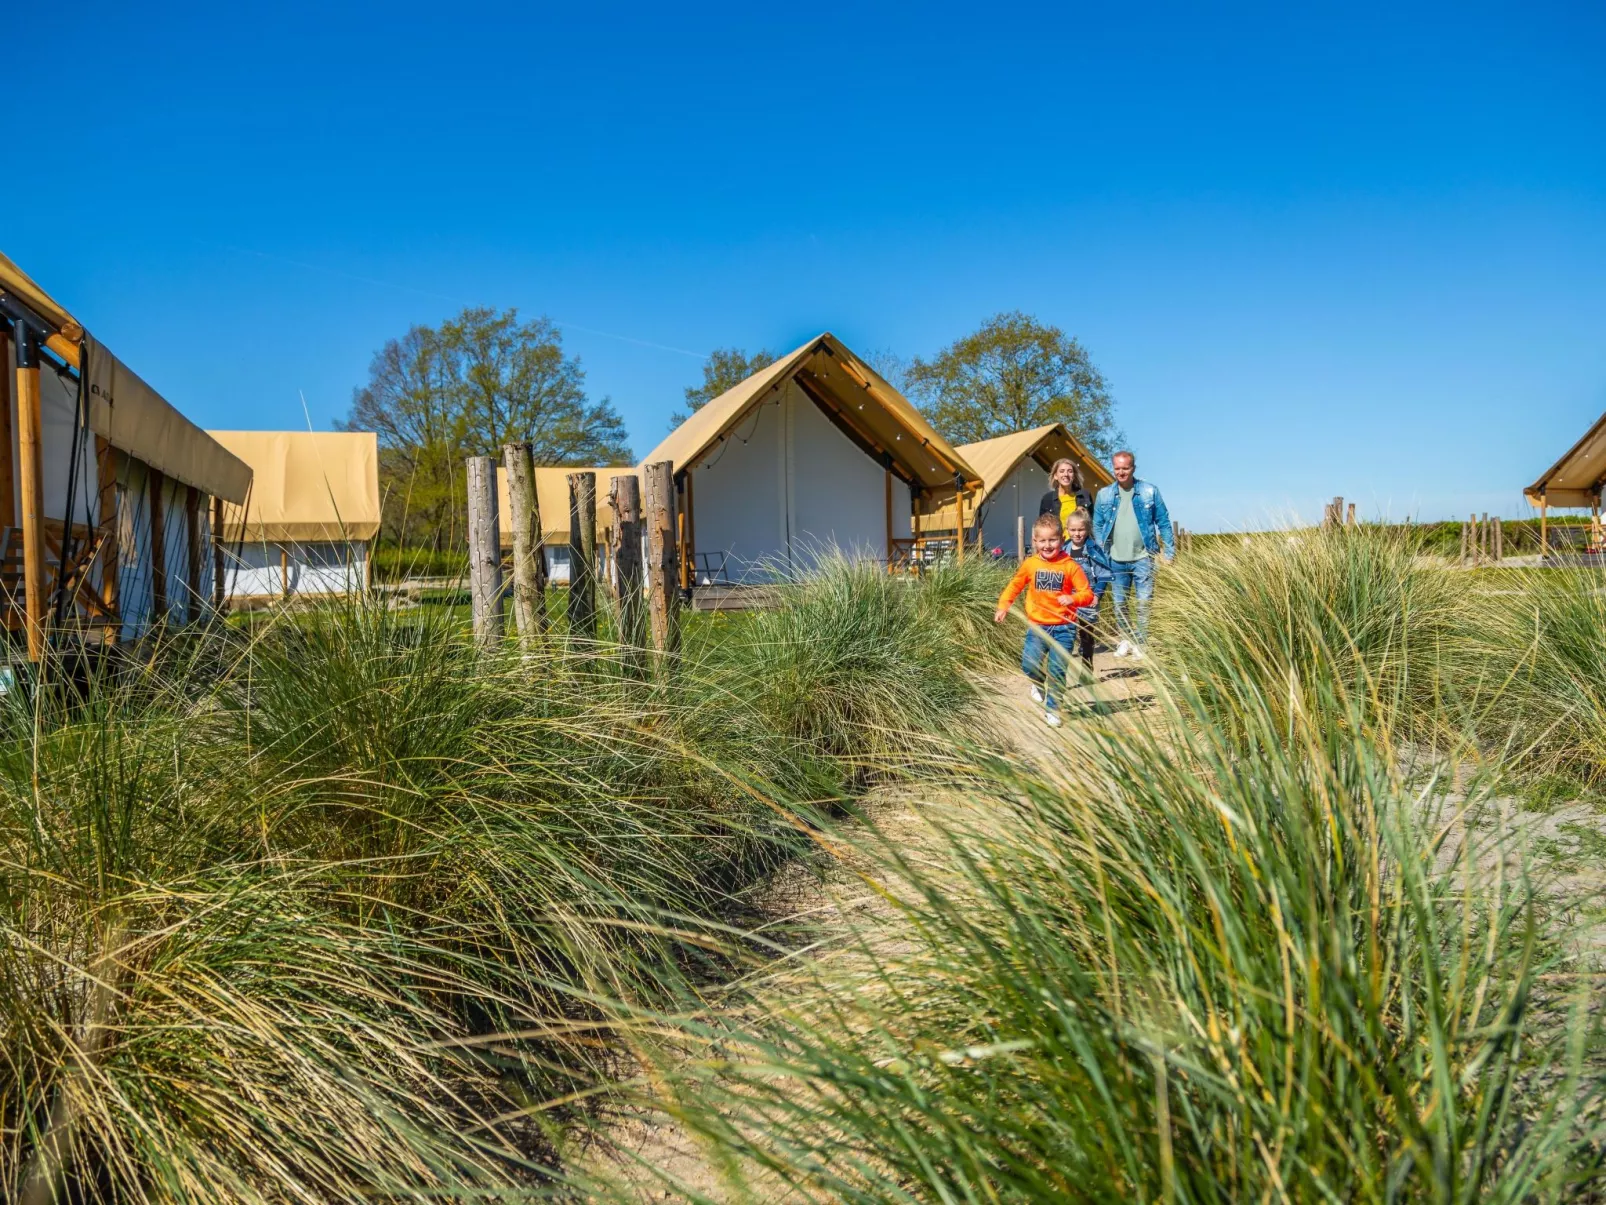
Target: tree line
pixel 485 378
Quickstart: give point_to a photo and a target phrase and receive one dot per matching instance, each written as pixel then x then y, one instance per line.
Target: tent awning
pixel 309 487
pixel 856 399
pixel 995 459
pixel 123 409
pixel 1575 479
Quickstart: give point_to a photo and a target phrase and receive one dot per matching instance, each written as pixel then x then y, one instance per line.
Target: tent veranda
pixel 312 514
pixel 814 453
pixel 1574 481
pixel 108 495
pixel 1014 472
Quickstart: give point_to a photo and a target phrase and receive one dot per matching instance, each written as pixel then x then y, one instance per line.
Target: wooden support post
pixel 1499 540
pixel 194 551
pixel 889 519
pixel 662 562
pixel 284 573
pixel 1544 530
pixel 1464 541
pixel 218 583
pixel 529 561
pixel 484 552
pixel 8 484
pixel 1486 548
pixel 155 487
pixel 683 521
pixel 111 557
pixel 1349 516
pixel 1020 537
pixel 625 495
pixel 31 479
pixel 583 554
pixel 959 519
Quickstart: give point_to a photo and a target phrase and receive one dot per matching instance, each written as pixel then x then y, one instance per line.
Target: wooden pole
pixel 111 562
pixel 1499 539
pixel 583 554
pixel 484 552
pixel 1020 537
pixel 8 484
pixel 889 518
pixel 31 479
pixel 1349 516
pixel 1464 542
pixel 662 559
pixel 959 517
pixel 529 562
pixel 218 584
pixel 192 563
pixel 625 495
pixel 284 572
pixel 1544 530
pixel 155 487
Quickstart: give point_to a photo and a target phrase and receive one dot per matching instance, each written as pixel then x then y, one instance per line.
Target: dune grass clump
pixel 1260 621
pixel 1187 962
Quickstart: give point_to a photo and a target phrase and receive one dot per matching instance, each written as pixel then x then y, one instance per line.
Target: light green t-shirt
pixel 1126 541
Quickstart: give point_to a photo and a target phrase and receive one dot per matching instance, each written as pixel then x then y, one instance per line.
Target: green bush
pixel 393 564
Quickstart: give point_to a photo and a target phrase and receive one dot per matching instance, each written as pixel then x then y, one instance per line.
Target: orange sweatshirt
pixel 1044 579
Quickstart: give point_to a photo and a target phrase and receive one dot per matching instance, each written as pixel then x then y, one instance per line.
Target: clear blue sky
pixel 1350 250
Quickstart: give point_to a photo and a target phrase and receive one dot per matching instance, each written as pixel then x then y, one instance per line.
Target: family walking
pixel 1082 548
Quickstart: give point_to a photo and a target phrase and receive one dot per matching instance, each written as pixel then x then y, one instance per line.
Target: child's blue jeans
pixel 1058 645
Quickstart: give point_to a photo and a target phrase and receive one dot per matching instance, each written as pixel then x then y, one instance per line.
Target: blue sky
pixel 1340 250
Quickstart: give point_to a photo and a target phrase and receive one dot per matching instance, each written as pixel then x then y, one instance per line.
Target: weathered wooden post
pixel 625 495
pixel 583 554
pixel 484 551
pixel 1464 541
pixel 529 562
pixel 1349 516
pixel 663 569
pixel 1499 540
pixel 1544 523
pixel 1020 537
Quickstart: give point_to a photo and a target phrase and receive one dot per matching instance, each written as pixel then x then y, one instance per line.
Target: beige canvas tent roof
pixel 309 487
pixel 123 409
pixel 552 496
pixel 995 459
pixel 859 402
pixel 1575 479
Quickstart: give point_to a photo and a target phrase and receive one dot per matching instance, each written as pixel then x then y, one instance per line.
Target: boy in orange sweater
pixel 1055 588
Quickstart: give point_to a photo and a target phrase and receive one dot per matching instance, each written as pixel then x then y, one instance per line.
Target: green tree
pixel 725 368
pixel 1011 374
pixel 482 379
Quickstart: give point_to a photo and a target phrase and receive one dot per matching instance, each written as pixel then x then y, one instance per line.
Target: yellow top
pixel 1067 509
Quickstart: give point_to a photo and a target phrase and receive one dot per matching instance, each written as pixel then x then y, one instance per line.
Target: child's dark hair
pixel 1047 522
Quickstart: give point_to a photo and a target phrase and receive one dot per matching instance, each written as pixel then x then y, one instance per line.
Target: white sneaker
pixel 1052 719
pixel 1137 653
pixel 1037 694
pixel 1123 649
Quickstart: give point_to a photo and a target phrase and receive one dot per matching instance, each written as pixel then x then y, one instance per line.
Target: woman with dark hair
pixel 1065 495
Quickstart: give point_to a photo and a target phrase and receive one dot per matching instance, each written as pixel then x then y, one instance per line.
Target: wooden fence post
pixel 1349 516
pixel 663 570
pixel 625 495
pixel 484 551
pixel 529 561
pixel 1544 520
pixel 583 554
pixel 1499 540
pixel 1464 534
pixel 1020 537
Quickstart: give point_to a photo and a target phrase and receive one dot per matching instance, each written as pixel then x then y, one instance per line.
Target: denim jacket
pixel 1154 521
pixel 1095 562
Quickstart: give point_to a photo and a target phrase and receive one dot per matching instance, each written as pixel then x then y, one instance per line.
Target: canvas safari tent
pixel 1014 472
pixel 552 497
pixel 108 496
pixel 311 517
pixel 1573 482
pixel 815 452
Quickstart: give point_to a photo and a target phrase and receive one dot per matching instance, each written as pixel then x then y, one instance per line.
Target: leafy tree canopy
pixel 725 368
pixel 1011 374
pixel 482 379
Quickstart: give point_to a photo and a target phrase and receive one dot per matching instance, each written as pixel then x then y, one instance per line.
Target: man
pixel 1131 522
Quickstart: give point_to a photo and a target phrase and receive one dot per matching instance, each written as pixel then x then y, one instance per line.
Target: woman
pixel 1066 495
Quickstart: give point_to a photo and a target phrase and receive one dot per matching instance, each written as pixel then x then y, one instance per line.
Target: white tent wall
pixel 135 597
pixel 315 568
pixel 785 486
pixel 1015 499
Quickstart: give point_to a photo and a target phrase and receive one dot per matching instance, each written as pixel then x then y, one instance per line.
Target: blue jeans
pixel 1136 577
pixel 1058 644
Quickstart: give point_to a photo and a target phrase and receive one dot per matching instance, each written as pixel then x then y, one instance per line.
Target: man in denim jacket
pixel 1131 522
